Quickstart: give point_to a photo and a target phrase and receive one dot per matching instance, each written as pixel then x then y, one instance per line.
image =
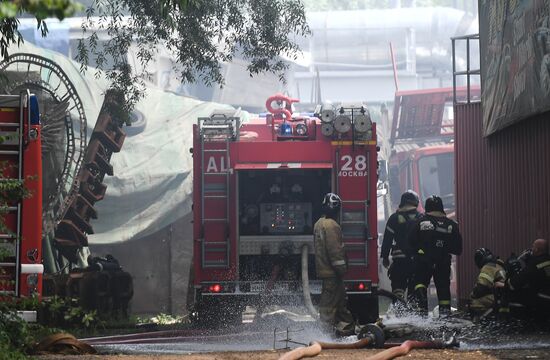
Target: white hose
pixel 305 283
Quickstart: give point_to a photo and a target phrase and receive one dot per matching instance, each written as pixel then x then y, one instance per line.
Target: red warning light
pixel 361 286
pixel 215 288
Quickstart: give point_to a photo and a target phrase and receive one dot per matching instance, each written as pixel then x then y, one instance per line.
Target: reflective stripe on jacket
pixel 483 293
pixel 535 276
pixel 436 236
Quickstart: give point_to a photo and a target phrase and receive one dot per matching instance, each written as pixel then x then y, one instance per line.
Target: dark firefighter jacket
pixel 436 236
pixel 483 292
pixel 535 276
pixel 397 231
pixel 330 255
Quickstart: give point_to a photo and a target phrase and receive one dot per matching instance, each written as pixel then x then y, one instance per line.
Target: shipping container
pixel 502 187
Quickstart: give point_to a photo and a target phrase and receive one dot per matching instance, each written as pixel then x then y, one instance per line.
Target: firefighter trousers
pixel 400 274
pixel 440 270
pixel 333 310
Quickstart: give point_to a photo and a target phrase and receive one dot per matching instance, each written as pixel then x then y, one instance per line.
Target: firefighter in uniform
pixel 331 265
pixel 434 237
pixel 484 296
pixel 396 239
pixel 533 281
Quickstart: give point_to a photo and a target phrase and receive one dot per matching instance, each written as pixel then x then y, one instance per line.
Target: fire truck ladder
pixel 216 130
pixel 11 151
pixel 354 223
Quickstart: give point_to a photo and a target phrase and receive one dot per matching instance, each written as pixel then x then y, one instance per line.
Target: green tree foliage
pixel 40 9
pixel 201 35
pixel 14 335
pixel 18 338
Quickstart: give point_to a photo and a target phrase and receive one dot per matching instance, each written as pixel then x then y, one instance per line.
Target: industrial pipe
pixel 305 283
pixel 287 110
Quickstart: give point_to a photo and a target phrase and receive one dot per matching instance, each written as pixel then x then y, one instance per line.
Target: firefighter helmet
pixel 434 203
pixel 483 256
pixel 332 202
pixel 409 198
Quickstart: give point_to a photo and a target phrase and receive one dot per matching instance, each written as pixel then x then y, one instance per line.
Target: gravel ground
pixel 329 354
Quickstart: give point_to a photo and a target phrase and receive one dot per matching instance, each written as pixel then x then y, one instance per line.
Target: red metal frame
pixel 28 261
pixel 503 192
pixel 31 236
pixel 419 113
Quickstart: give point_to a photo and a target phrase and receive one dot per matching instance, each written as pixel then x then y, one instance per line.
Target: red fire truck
pixel 422 148
pixel 20 157
pixel 258 188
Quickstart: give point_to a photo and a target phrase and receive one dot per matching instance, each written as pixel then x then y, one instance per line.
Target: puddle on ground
pixel 280 328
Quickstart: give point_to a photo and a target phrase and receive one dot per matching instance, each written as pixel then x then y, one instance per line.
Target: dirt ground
pixel 329 354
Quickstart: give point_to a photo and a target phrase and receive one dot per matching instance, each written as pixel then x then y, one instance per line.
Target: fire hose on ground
pixel 371 335
pixel 62 344
pixel 395 350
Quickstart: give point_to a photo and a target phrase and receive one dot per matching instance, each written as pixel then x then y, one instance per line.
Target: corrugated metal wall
pixel 503 187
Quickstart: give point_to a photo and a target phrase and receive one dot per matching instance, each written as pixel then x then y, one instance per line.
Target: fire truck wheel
pixel 364 308
pixel 217 312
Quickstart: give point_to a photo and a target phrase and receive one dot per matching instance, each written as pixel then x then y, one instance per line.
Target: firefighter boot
pixel 503 314
pixel 502 310
pixel 399 293
pixel 444 309
pixel 421 300
pixel 399 303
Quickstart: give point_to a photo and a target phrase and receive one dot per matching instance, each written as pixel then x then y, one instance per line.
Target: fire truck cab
pixel 258 188
pixel 422 146
pixel 428 170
